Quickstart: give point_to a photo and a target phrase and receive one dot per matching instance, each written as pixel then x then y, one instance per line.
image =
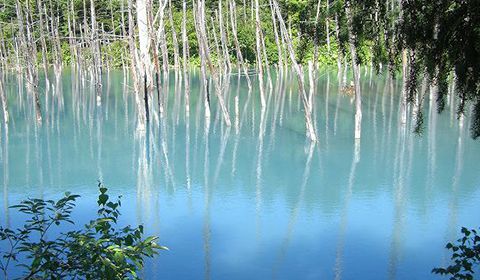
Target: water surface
pixel 255 200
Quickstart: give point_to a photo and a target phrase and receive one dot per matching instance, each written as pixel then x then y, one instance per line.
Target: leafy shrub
pixel 465 256
pixel 97 251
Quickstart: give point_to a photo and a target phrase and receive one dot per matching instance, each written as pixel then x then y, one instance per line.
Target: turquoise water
pixel 256 200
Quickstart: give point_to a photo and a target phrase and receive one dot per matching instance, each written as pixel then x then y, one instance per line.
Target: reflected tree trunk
pixel 3 99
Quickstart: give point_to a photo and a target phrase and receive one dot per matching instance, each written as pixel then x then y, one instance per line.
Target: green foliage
pixel 97 251
pixel 444 36
pixel 465 256
pixel 116 53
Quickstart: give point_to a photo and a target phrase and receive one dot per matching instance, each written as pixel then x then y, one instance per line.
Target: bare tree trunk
pixel 307 106
pixel 84 32
pixel 220 58
pixel 4 101
pixel 233 19
pixel 327 26
pixel 315 36
pixel 207 60
pixel 267 65
pixel 339 54
pixel 31 55
pixel 156 63
pixel 223 38
pixel 21 39
pixel 95 45
pixel 162 41
pixel 124 30
pixel 71 33
pixel 185 58
pixel 42 41
pixel 176 55
pixel 134 61
pixel 144 39
pixel 277 41
pixel 356 74
pixel 259 54
pixel 203 67
pixel 57 50
pixel 403 102
pixel 3 50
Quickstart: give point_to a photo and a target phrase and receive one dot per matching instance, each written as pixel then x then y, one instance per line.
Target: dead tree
pixel 185 57
pixel 306 103
pixel 258 31
pixel 240 61
pixel 356 74
pixel 176 56
pixel 95 47
pixel 3 99
pixel 206 59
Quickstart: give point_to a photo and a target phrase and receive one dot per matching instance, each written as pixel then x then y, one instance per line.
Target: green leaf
pixel 102 199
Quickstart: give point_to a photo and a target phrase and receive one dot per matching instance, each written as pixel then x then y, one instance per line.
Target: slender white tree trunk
pixel 403 104
pixel 356 74
pixel 277 40
pixel 95 45
pixel 143 38
pixel 307 106
pixel 327 26
pixel 205 50
pixel 233 19
pixel 176 55
pixel 223 38
pixel 4 101
pixel 43 42
pixel 259 54
pixel 185 57
pixel 339 54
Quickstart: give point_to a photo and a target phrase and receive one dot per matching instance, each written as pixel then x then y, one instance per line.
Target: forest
pixel 435 41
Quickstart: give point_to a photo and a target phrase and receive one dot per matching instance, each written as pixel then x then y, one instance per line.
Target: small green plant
pixel 465 256
pixel 99 250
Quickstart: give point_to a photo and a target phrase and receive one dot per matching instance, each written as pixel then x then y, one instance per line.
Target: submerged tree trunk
pixel 144 39
pixel 28 50
pixel 403 102
pixel 43 42
pixel 259 54
pixel 339 54
pixel 307 106
pixel 176 56
pixel 277 40
pixel 162 41
pixel 3 99
pixel 135 67
pixel 97 60
pixel 57 49
pixel 315 36
pixel 206 60
pixel 356 74
pixel 327 26
pixel 156 63
pixel 203 67
pixel 233 19
pixel 223 37
pixel 185 57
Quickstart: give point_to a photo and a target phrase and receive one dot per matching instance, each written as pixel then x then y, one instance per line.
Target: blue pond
pixel 254 200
